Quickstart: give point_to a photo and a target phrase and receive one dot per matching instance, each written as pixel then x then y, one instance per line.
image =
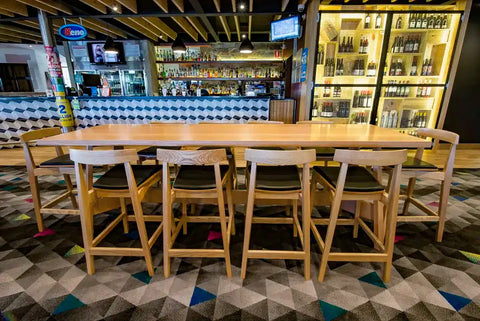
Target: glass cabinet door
pixel 113 80
pixel 349 48
pixel 133 83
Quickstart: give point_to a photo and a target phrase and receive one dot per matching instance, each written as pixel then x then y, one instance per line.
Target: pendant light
pixel 246 46
pixel 110 46
pixel 178 46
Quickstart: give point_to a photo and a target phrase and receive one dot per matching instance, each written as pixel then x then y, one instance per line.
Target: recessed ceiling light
pixel 115 8
pixel 243 36
pixel 242 6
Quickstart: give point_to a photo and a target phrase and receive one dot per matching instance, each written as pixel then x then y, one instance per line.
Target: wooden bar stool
pixel 324 154
pixel 357 183
pixel 198 179
pixel 60 165
pixel 151 152
pixel 415 168
pixel 279 182
pixel 122 181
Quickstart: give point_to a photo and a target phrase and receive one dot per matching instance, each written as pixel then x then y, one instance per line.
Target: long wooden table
pixel 248 135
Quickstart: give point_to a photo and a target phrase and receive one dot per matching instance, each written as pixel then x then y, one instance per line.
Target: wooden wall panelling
pixel 282 110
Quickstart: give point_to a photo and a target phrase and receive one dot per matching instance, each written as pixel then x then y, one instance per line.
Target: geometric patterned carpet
pixel 44 277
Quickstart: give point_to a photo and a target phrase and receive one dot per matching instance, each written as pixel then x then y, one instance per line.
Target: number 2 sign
pixel 65 112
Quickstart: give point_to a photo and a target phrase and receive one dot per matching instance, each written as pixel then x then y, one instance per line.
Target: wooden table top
pixel 248 135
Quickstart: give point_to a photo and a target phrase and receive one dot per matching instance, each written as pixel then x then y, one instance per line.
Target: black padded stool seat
pixel 278 178
pixel 116 179
pixel 63 160
pixel 151 152
pixel 228 150
pixel 414 163
pixel 198 177
pixel 323 151
pixel 359 179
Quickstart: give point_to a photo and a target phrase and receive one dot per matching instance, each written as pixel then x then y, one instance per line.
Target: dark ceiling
pixel 158 20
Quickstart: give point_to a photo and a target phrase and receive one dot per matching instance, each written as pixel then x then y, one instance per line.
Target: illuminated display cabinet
pixel 387 68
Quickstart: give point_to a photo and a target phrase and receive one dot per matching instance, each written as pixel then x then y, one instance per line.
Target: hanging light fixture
pixel 178 46
pixel 110 46
pixel 246 46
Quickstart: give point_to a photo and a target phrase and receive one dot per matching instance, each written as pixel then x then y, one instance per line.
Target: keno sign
pixel 72 32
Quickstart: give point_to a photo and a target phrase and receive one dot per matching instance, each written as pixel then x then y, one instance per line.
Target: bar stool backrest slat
pixel 103 157
pixel 370 158
pixel 191 157
pixel 281 158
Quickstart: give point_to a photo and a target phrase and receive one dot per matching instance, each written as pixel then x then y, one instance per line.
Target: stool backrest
pixel 191 157
pixel 441 135
pixel 315 122
pixel 280 157
pixel 158 122
pixel 265 122
pixel 32 135
pixel 370 158
pixel 103 157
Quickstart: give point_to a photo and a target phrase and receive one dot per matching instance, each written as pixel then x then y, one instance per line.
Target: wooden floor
pixel 468 156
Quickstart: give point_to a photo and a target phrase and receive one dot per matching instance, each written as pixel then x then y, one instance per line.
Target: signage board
pixel 72 31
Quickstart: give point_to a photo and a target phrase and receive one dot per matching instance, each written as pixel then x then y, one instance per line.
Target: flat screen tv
pixel 287 28
pixel 98 56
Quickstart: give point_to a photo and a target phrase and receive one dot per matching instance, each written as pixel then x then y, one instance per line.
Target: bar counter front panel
pixel 18 115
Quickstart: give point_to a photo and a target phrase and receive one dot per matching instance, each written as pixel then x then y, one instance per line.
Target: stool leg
pixel 294 215
pixel 231 206
pixel 410 188
pixel 248 225
pixel 225 236
pixel 166 208
pixel 123 207
pixel 379 220
pixel 442 208
pixel 37 203
pixel 142 231
pixel 325 163
pixel 330 232
pixel 358 206
pixel 69 184
pixel 184 217
pixel 306 236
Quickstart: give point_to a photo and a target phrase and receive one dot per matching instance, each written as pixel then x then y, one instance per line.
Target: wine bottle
pixel 378 21
pixel 367 21
pixel 315 110
pixel 444 22
pixel 438 22
pixel 424 21
pixel 430 67
pixel 342 46
pixel 412 21
pixel 413 68
pixel 431 22
pixel 399 23
pixel 418 23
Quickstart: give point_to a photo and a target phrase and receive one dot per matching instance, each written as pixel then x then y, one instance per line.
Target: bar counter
pixel 21 114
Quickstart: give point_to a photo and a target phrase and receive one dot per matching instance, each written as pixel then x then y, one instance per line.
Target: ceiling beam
pixel 199 27
pixel 198 8
pixel 182 22
pixel 14 6
pixel 146 26
pixel 163 4
pixel 40 6
pixel 56 5
pixel 250 18
pixel 5 38
pixel 20 33
pixel 93 25
pixel 106 26
pixel 7 13
pixel 129 4
pixel 135 26
pixel 161 26
pixel 95 5
pixel 284 4
pixel 28 23
pixel 223 20
pixel 237 22
pixel 179 5
pixel 112 4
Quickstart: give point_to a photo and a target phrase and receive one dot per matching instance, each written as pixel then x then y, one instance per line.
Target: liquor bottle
pixel 425 67
pixel 429 67
pixel 315 110
pixel 413 68
pixel 438 22
pixel 369 99
pixel 416 44
pixel 399 23
pixel 378 21
pixel 367 21
pixel 444 22
pixel 399 68
pixel 393 67
pixel 431 22
pixel 356 98
pixel 418 23
pixel 402 45
pixel 412 21
pixel 342 46
pixel 424 21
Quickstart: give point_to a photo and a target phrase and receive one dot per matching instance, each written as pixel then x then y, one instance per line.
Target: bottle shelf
pixel 416 30
pixel 219 62
pixel 219 79
pixel 407 98
pixel 352 54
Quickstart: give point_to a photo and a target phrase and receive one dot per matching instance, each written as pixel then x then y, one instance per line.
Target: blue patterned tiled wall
pixel 18 115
